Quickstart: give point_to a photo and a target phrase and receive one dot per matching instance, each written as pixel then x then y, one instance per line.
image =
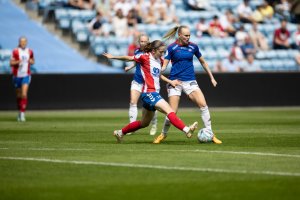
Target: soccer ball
pixel 205 135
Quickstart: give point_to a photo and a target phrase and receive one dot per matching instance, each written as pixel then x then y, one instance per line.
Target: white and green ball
pixel 205 135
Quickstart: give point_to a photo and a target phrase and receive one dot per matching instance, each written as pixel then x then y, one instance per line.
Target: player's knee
pixel 145 124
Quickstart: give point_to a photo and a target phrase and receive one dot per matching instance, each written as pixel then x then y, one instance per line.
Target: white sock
pixel 186 129
pixel 166 126
pixel 154 119
pixel 133 112
pixel 205 115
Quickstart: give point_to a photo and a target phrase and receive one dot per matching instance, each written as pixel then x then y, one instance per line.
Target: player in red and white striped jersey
pixel 151 67
pixel 21 60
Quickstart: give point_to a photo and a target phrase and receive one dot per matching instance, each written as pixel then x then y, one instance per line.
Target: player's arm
pixel 133 65
pixel 206 68
pixel 31 59
pixel 165 64
pixel 124 58
pixel 14 60
pixel 174 83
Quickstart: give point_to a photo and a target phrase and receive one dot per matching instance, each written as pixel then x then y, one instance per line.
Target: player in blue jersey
pixel 181 54
pixel 137 85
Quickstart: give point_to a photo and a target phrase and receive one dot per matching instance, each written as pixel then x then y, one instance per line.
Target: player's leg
pixel 133 110
pixel 19 97
pixel 136 125
pixel 23 101
pixel 174 98
pixel 164 107
pixel 198 98
pixel 154 124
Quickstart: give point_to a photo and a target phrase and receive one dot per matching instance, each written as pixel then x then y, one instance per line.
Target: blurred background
pixel 252 47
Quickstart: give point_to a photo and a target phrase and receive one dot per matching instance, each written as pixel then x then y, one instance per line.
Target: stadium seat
pixel 266 65
pixel 117 63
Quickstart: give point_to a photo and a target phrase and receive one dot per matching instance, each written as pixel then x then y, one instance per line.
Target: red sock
pixel 19 103
pixel 133 126
pixel 23 104
pixel 178 123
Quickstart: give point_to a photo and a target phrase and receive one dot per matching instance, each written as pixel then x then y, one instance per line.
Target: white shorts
pixel 136 86
pixel 186 86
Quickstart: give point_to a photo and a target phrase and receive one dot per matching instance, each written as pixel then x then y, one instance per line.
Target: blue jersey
pixel 182 61
pixel 138 74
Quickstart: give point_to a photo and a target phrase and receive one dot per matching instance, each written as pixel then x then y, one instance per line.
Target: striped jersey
pixel 150 70
pixel 138 74
pixel 182 60
pixel 23 69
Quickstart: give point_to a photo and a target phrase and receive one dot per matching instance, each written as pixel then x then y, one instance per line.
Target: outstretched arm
pixel 130 67
pixel 174 83
pixel 124 58
pixel 206 68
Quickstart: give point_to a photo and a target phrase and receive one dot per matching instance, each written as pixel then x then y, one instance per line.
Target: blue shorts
pixel 150 99
pixel 19 81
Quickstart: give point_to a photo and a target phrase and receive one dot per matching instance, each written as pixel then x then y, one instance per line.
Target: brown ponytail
pixel 153 45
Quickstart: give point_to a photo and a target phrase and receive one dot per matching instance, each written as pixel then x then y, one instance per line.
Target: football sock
pixel 131 127
pixel 205 115
pixel 154 119
pixel 23 104
pixel 133 112
pixel 178 123
pixel 166 126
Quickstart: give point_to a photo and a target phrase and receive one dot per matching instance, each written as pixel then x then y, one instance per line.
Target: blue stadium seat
pixel 266 65
pixel 282 54
pixel 261 55
pixel 117 63
pixel 98 49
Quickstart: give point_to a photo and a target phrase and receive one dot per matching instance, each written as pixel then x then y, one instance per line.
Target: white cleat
pixel 193 127
pixel 153 129
pixel 21 117
pixel 119 135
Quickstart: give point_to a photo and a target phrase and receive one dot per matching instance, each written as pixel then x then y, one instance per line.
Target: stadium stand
pixel 51 54
pixel 75 22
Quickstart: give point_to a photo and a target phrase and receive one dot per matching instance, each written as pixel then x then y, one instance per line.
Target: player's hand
pixel 107 55
pixel 176 82
pixel 214 82
pixel 127 68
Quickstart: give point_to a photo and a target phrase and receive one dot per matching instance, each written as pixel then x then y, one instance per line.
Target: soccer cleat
pixel 193 127
pixel 118 134
pixel 159 138
pixel 153 129
pixel 216 140
pixel 21 117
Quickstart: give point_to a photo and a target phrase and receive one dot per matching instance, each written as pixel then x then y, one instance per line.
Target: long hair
pixel 153 45
pixel 172 32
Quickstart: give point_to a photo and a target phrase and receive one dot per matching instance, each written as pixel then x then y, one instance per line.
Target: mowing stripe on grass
pixel 165 150
pixel 160 167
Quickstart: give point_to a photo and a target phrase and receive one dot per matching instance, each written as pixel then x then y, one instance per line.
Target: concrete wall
pixel 112 91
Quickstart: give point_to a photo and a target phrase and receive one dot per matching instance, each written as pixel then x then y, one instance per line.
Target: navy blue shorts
pixel 150 99
pixel 19 81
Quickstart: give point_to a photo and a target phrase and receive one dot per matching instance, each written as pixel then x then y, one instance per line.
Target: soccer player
pixel 21 59
pixel 151 66
pixel 181 54
pixel 137 85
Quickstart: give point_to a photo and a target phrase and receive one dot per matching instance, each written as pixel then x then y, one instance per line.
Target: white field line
pixel 160 167
pixel 164 150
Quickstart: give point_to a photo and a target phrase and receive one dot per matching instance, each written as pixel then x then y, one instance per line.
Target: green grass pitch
pixel 73 155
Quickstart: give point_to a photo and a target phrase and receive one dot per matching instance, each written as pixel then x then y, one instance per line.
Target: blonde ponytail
pixel 171 33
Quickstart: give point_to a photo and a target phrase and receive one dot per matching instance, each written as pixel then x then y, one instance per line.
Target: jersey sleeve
pixel 198 54
pixel 14 55
pixel 138 58
pixel 31 54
